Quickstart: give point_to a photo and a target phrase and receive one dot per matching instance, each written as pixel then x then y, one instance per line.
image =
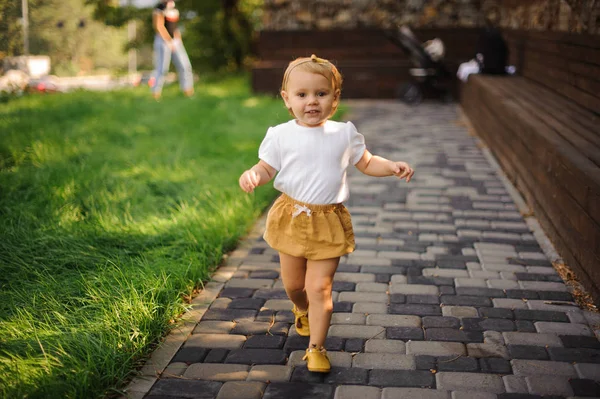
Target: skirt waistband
pixel 314 208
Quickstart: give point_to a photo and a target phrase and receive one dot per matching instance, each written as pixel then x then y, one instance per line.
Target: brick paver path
pixel 448 294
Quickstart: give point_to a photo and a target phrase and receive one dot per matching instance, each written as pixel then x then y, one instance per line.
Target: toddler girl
pixel 308 224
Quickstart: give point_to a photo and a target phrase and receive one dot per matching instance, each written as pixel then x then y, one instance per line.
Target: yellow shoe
pixel 301 321
pixel 317 360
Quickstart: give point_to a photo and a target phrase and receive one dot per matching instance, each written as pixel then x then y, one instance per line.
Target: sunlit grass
pixel 112 208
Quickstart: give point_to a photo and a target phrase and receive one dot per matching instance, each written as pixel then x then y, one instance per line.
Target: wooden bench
pixel 543 126
pixel 371 64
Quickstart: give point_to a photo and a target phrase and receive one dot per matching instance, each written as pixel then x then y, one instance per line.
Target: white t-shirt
pixel 312 161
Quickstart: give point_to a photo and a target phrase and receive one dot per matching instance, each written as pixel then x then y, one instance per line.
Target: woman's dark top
pixel 171 15
pixel 493 48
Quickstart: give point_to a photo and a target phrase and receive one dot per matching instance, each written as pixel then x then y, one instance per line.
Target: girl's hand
pixel 402 170
pixel 249 180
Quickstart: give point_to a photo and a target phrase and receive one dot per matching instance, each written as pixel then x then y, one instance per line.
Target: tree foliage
pixel 221 33
pixel 66 31
pixel 217 33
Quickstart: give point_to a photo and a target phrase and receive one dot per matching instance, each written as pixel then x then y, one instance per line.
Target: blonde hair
pixel 320 66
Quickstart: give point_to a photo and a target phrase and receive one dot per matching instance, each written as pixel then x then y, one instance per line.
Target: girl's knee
pixel 320 290
pixel 294 287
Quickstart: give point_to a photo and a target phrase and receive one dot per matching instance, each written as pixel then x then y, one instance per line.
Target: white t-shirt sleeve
pixel 269 150
pixel 357 144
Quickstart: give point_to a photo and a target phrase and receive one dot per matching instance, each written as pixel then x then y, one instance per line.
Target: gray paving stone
pixel 413 393
pixel 542 315
pixel 217 372
pixel 214 327
pixel 477 382
pixel 473 395
pixel 536 339
pixel 242 390
pixel 542 286
pixel 457 364
pixel 370 308
pixel 393 320
pixel 549 385
pixel 486 350
pixel 278 304
pixel 503 284
pixel 441 322
pixel 220 303
pixel 346 375
pixel 226 341
pixel 390 361
pixel 363 297
pixel 459 311
pixel 405 333
pixel 583 387
pixel 348 318
pixel 416 289
pixel 453 335
pixel 588 371
pixel 509 303
pixel 357 392
pixel 171 387
pixel 398 279
pixel 542 305
pixel 385 346
pixel 582 355
pixel 563 328
pixel 256 356
pixel 528 352
pixel 542 367
pixel 435 348
pixel 354 277
pixel 494 366
pixel 270 373
pixel 357 331
pixel 298 390
pixel 402 378
pixel 452 273
pixel 174 370
pixel 415 309
pixel 515 384
pixel 423 299
pixel 249 283
pixel 372 287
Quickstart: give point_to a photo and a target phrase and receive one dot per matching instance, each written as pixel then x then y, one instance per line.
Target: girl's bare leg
pixel 319 282
pixel 293 275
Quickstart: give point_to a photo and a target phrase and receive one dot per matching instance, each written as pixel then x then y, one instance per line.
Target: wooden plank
pixel 494 130
pixel 550 115
pixel 574 117
pixel 589 87
pixel 555 156
pixel 587 120
pixel 577 229
pixel 576 39
pixel 580 97
pixel 578 53
pixel 588 71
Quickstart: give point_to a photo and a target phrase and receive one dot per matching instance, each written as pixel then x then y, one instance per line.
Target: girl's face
pixel 310 96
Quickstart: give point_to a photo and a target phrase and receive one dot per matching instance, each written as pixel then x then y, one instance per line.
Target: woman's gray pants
pixel 162 59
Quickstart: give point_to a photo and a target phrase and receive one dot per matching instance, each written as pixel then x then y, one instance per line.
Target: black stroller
pixel 429 76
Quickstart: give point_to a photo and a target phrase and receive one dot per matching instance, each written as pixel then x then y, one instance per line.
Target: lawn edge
pixel 160 358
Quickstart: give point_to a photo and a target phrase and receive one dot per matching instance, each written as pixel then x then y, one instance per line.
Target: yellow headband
pixel 313 58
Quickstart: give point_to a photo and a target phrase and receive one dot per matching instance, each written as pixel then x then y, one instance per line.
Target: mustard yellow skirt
pixel 310 231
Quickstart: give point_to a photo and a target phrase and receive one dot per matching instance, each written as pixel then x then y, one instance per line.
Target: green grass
pixel 113 207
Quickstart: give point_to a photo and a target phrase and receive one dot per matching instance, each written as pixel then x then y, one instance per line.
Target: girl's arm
pixel 158 21
pixel 259 174
pixel 374 165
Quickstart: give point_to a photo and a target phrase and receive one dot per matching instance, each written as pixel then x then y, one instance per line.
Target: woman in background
pixel 167 44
